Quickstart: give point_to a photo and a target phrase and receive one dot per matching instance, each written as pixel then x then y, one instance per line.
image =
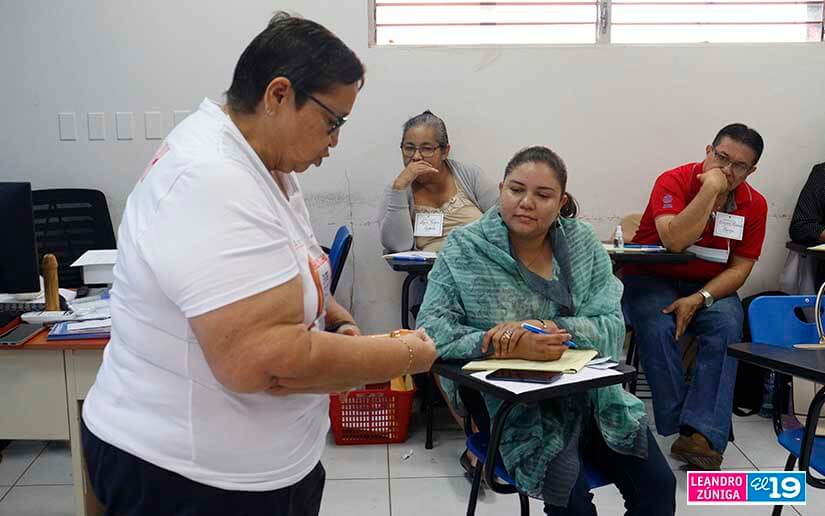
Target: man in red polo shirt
pixel 708 209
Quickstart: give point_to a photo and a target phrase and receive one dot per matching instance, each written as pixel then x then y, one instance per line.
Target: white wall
pixel 618 115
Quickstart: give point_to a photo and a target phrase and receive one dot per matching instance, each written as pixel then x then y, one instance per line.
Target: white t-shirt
pixel 206 226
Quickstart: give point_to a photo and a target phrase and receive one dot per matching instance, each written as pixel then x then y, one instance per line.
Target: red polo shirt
pixel 673 191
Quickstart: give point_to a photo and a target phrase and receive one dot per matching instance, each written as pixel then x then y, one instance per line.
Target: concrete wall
pixel 619 115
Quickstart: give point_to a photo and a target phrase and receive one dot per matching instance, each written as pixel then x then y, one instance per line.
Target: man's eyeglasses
pixel 339 120
pixel 737 167
pixel 427 151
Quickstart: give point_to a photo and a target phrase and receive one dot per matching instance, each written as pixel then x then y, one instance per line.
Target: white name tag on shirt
pixel 729 226
pixel 429 225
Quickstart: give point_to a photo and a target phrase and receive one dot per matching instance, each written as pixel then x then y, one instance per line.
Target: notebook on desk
pixel 572 361
pixel 69 330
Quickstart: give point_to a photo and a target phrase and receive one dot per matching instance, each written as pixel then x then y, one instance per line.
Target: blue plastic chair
pixel 774 321
pixel 478 443
pixel 338 253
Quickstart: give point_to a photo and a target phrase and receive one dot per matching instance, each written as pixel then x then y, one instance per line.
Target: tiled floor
pixel 398 480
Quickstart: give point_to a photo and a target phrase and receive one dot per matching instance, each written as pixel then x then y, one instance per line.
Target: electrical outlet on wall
pixel 153 125
pixel 67 126
pixel 97 125
pixel 125 124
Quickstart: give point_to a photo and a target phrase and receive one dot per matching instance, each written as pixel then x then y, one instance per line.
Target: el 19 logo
pixel 777 487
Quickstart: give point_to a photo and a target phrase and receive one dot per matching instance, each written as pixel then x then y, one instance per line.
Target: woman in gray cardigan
pixel 445 193
pixel 432 188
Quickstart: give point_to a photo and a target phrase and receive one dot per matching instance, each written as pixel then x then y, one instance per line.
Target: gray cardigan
pixel 397 206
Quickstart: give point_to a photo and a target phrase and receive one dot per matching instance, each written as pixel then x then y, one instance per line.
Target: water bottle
pixel 618 239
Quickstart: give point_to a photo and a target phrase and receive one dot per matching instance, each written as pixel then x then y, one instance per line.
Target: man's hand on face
pixel 715 179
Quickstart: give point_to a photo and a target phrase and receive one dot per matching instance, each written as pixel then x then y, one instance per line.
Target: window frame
pixel 603 35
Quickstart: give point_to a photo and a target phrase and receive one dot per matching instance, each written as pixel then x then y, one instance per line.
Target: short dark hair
pixel 428 119
pixel 539 154
pixel 744 135
pixel 303 51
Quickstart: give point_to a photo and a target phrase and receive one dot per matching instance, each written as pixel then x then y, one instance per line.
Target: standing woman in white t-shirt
pixel 212 395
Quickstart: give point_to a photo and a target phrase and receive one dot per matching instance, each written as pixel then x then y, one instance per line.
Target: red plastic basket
pixel 371 416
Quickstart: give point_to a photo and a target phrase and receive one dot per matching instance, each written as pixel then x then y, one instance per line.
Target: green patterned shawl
pixel 476 283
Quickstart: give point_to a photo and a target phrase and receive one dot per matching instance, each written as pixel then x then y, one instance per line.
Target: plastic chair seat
pixel 477 444
pixel 791 440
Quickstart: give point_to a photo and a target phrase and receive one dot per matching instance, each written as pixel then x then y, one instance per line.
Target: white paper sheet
pixel 97 257
pixel 588 373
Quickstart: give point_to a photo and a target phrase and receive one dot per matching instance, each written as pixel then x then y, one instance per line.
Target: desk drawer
pixel 33 395
pixel 84 364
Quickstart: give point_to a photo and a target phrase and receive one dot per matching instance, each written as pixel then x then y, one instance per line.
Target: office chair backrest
pixel 68 222
pixel 774 320
pixel 338 253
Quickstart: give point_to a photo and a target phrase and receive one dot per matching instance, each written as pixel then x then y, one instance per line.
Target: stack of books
pixel 71 330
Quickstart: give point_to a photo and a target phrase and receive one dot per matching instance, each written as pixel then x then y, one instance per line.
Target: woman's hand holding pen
pixel 512 340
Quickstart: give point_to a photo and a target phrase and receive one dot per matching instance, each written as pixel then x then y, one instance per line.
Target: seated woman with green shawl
pixel 528 259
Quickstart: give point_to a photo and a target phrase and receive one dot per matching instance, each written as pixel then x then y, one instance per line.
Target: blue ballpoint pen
pixel 540 331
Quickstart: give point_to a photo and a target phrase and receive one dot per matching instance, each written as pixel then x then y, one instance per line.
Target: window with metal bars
pixel 511 22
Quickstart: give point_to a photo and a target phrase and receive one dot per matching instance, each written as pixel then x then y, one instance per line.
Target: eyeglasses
pixel 427 151
pixel 737 167
pixel 339 120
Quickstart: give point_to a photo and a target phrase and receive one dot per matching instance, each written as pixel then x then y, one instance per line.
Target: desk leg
pixel 811 421
pixel 495 440
pixel 86 503
pixel 405 301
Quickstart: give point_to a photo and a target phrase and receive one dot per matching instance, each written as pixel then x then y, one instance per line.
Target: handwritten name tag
pixel 729 226
pixel 429 225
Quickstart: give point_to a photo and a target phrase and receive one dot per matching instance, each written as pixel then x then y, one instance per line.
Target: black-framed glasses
pixel 339 120
pixel 737 167
pixel 427 151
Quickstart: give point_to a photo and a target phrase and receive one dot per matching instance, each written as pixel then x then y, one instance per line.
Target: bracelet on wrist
pixel 397 335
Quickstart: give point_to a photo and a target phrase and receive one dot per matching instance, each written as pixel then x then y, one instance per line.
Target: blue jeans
pixel 706 404
pixel 647 485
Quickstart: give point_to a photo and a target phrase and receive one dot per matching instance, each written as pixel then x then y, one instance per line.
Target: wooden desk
pixel 45 383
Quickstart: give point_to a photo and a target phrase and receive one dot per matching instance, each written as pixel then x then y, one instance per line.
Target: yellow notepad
pixel 572 361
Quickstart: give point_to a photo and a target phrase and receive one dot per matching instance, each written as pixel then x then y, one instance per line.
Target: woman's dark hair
pixel 539 154
pixel 742 134
pixel 306 53
pixel 427 118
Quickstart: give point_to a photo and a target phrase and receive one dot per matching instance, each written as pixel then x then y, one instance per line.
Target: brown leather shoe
pixel 696 451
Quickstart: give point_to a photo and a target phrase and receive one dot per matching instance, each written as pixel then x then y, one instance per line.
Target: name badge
pixel 729 226
pixel 429 225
